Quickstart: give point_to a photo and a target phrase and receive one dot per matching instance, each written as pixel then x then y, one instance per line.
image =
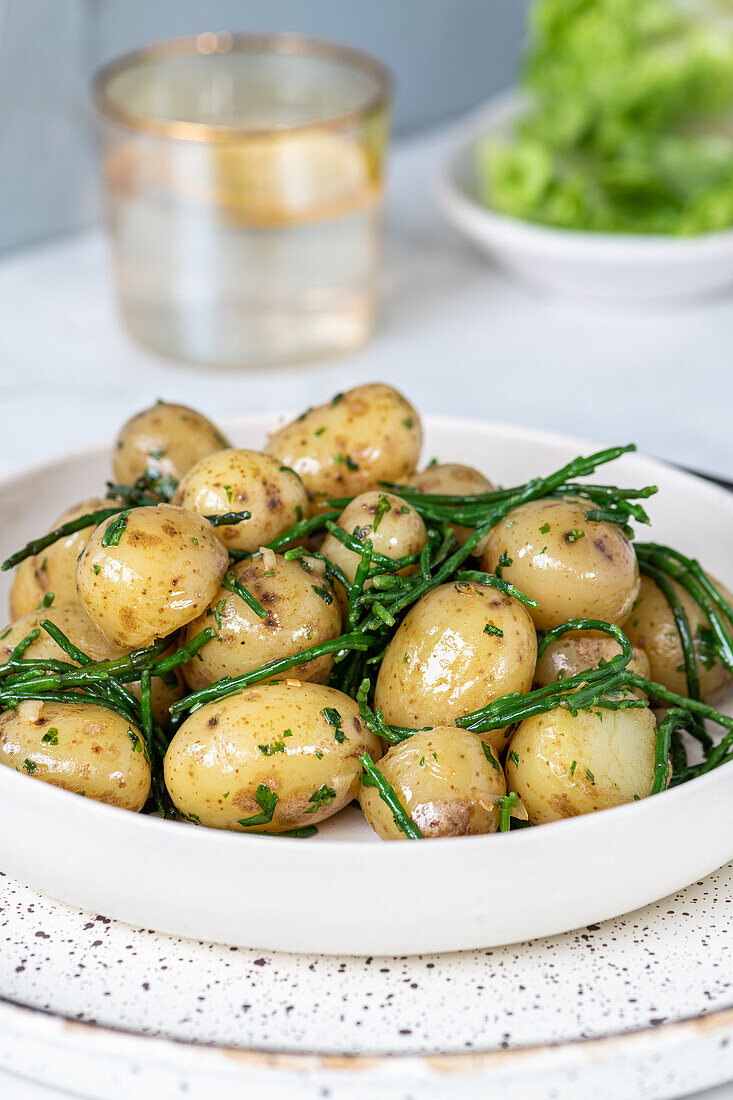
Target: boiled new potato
pixel 301 612
pixel 156 570
pixel 54 570
pixel 573 567
pixel 81 747
pixel 165 439
pixel 651 626
pixel 448 781
pixel 72 621
pixel 457 649
pixel 561 766
pixel 25 591
pixel 393 527
pixel 453 479
pixel 345 447
pixel 270 759
pixel 580 650
pixel 238 481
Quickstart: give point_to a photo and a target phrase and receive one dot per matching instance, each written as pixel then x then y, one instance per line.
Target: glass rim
pixel 209 43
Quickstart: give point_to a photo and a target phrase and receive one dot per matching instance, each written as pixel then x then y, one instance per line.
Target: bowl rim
pixel 208 43
pixel 478 220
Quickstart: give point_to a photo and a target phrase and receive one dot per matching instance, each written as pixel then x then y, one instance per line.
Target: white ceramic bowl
pixel 345 891
pixel 606 266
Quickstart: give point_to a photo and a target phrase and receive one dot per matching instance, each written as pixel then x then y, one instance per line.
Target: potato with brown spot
pixel 301 612
pixel 581 650
pixel 651 626
pixel 453 479
pixel 574 568
pixel 458 647
pixel 346 446
pixel 245 481
pixel 448 780
pixel 269 759
pixel 72 621
pixel 562 766
pixel 166 440
pixel 161 573
pixel 54 570
pixel 392 526
pixel 84 748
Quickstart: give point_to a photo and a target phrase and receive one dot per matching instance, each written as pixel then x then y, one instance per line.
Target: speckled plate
pixel 345 892
pixel 638 1008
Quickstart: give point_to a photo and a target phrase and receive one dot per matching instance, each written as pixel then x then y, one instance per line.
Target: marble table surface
pixel 454 334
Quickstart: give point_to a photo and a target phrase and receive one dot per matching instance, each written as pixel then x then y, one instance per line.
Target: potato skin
pixel 651 626
pixel 444 780
pixel 167 439
pixel 580 650
pixel 297 617
pixel 595 576
pixel 25 591
pixel 240 480
pixel 441 664
pixel 75 624
pixel 562 766
pixel 163 572
pixel 373 428
pixel 215 764
pixel 454 479
pixel 89 750
pixel 55 569
pixel 400 531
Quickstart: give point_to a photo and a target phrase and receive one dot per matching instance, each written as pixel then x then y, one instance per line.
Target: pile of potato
pixel 284 755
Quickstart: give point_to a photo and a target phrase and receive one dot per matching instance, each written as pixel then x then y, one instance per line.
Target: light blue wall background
pixel 446 55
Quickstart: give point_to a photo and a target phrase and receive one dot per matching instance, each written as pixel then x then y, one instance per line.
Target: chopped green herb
pixel 158 453
pixel 97 569
pixel 337 399
pixel 503 563
pixel 228 490
pixel 272 749
pixel 51 737
pixel 574 535
pixel 333 718
pixel 29 766
pixel 491 629
pixel 421 762
pixel 320 798
pixel 544 528
pixel 490 756
pixel 590 775
pixel 573 766
pixel 345 460
pixel 319 431
pixel 136 743
pixel 514 757
pixel 48 599
pixel 44 563
pixel 408 422
pixel 219 608
pixel 267 801
pixel 383 506
pixel 195 541
pixel 325 596
pixel 303 832
pixel 287 733
pixel 319 755
pixel 115 529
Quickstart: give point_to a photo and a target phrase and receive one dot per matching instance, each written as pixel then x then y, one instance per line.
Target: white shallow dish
pixel 627 268
pixel 345 891
pixel 638 1008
